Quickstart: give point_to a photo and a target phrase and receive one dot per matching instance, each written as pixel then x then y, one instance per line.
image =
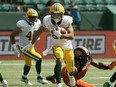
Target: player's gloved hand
pixel 112 65
pixel 46 51
pixel 27 46
pixel 16 51
pixel 57 33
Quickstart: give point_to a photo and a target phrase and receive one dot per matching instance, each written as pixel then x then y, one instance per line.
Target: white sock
pixel 72 80
pixel 59 85
pixel 109 82
pixel 39 75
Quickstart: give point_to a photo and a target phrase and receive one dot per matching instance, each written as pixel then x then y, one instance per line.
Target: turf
pixel 12 71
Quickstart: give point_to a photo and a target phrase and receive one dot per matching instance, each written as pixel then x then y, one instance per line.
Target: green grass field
pixel 12 71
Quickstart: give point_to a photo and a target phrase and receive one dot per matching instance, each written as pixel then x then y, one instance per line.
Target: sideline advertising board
pixel 99 43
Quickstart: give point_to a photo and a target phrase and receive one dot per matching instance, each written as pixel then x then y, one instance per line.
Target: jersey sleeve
pixel 38 24
pixel 45 21
pixel 68 20
pixel 19 24
pixel 38 21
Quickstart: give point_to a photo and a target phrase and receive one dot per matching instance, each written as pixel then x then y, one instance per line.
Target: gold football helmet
pixel 57 12
pixel 31 15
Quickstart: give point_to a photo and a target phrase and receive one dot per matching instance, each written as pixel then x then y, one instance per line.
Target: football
pixel 62 30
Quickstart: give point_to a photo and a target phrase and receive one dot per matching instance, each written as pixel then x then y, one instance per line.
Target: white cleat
pixel 4 83
pixel 59 85
pixel 26 81
pixel 71 80
pixel 41 80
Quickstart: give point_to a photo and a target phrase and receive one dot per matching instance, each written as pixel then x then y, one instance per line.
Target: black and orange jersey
pixel 82 69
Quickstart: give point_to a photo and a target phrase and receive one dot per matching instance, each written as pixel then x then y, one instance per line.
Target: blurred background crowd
pixel 74 8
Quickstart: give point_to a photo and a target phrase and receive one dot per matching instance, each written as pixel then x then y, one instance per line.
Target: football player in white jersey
pixel 61 43
pixel 25 29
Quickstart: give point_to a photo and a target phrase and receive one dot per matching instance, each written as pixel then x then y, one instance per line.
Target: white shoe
pixel 41 80
pixel 4 83
pixel 71 80
pixel 59 85
pixel 26 81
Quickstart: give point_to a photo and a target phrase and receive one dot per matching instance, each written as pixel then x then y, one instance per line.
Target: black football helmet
pixel 81 55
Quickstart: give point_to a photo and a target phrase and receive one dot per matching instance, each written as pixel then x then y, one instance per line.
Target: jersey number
pixel 53 35
pixel 30 35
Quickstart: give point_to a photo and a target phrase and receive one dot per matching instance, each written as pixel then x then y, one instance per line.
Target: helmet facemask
pixel 57 17
pixel 32 19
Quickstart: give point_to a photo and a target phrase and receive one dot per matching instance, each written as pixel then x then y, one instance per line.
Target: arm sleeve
pixel 69 21
pixel 20 25
pixel 99 65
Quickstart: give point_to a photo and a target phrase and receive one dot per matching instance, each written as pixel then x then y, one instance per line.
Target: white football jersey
pixel 66 20
pixel 26 36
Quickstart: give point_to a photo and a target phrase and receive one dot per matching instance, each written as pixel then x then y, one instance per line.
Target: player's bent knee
pixel 59 61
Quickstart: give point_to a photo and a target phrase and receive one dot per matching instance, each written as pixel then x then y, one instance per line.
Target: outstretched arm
pixel 103 66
